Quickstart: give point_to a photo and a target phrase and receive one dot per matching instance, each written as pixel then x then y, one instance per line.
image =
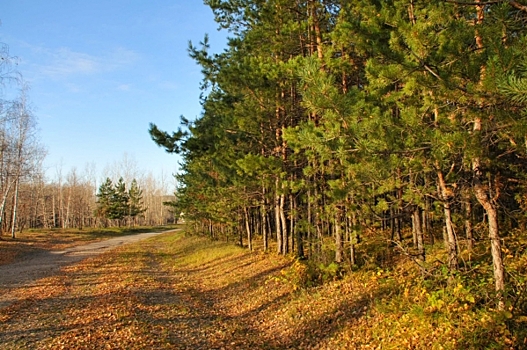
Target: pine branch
pixel 472 3
pixel 515 89
pixel 513 3
pixel 165 140
pixel 518 6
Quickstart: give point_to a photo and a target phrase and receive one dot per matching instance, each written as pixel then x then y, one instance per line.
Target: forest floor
pixel 173 291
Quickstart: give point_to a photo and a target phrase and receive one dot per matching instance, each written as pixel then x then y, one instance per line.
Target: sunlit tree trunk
pixel 283 222
pixel 481 193
pixel 278 224
pixel 248 228
pixel 339 242
pixel 264 221
pixel 467 203
pixel 15 208
pixel 486 202
pixel 451 243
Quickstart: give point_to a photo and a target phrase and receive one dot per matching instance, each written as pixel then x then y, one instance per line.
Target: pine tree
pixel 135 203
pixel 119 202
pixel 113 201
pixel 104 199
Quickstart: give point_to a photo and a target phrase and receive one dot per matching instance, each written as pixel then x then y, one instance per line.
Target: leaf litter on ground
pixel 175 291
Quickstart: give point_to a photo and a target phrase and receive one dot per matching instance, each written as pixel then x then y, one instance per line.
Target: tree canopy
pixel 326 120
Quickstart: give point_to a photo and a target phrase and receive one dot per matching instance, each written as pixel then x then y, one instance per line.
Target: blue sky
pixel 101 71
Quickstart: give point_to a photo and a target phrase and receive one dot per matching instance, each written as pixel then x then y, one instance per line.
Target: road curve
pixel 48 263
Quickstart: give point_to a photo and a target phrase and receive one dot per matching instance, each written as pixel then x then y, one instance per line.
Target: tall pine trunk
pixel 264 222
pixel 248 229
pixel 418 232
pixel 480 192
pixel 278 225
pixel 339 242
pixel 283 221
pixel 451 243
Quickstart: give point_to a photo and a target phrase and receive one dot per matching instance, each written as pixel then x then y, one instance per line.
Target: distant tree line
pixel 341 121
pixel 29 200
pixel 73 201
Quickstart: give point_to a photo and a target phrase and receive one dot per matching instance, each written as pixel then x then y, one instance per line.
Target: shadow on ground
pixel 141 298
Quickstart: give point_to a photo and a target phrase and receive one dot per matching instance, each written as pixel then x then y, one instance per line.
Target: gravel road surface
pixel 48 263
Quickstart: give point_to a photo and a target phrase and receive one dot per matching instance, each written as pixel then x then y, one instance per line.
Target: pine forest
pixel 353 134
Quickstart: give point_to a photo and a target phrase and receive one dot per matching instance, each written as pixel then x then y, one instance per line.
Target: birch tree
pixel 20 154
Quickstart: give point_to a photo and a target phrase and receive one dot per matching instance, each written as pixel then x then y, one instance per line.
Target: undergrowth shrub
pixel 304 273
pixel 425 305
pixel 441 312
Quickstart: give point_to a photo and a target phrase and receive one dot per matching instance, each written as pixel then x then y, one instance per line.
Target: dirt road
pixel 44 264
pixel 168 292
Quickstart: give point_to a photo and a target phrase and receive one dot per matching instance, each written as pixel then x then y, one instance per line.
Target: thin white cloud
pixel 121 57
pixel 64 62
pixel 123 87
